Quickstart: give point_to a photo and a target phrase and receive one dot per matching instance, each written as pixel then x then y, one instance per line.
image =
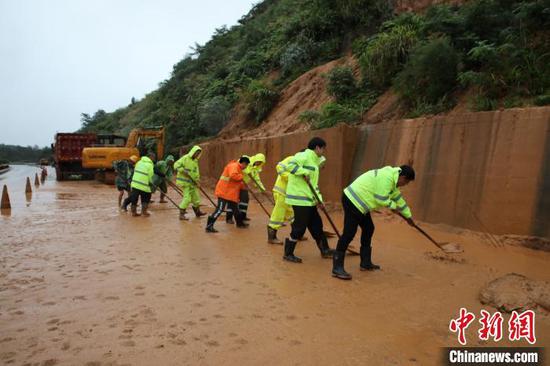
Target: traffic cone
pixel 36 181
pixel 28 188
pixel 5 198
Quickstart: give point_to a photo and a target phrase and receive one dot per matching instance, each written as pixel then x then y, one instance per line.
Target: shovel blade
pixel 451 247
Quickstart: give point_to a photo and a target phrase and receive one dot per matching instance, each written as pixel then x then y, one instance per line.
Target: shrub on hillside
pixel 260 99
pixel 341 83
pixel 500 70
pixel 310 116
pixel 293 56
pixel 386 52
pixel 430 74
pixel 541 100
pixel 213 114
pixel 330 114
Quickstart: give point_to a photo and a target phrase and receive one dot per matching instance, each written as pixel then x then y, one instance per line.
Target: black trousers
pixel 163 187
pixel 242 206
pixel 135 194
pixel 352 219
pixel 306 217
pixel 230 205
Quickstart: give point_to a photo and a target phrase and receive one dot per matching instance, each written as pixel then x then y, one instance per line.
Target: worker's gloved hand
pixel 306 177
pixel 320 205
pixel 410 221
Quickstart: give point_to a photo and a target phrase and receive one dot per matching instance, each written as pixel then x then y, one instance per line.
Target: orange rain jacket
pixel 230 182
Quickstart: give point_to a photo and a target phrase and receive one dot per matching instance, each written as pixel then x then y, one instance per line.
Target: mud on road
pixel 83 284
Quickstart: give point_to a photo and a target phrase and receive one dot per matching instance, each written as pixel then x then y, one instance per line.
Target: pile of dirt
pixel 308 92
pixel 444 257
pixel 532 242
pixel 516 292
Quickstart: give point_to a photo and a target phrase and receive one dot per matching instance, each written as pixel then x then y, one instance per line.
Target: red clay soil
pixel 308 92
pixel 83 284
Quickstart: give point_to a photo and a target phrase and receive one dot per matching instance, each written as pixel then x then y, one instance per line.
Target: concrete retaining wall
pixel 485 171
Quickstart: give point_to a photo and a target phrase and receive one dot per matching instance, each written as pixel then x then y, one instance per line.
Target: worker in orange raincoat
pixel 227 191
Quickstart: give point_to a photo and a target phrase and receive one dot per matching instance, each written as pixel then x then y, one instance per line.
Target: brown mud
pixel 83 284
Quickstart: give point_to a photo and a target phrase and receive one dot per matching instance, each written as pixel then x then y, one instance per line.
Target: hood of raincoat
pixel 193 150
pixel 257 158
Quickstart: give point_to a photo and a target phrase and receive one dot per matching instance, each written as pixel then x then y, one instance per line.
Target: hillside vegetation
pixel 497 50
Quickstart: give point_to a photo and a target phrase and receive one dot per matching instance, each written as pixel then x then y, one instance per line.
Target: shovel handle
pixel 258 186
pixel 169 199
pixel 352 251
pixel 256 198
pixel 199 187
pixel 427 236
pixel 175 187
pixel 323 208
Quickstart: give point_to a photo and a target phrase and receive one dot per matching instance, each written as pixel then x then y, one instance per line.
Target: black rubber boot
pixel 289 252
pixel 229 218
pixel 133 208
pixel 240 223
pixel 272 236
pixel 210 225
pixel 366 262
pixel 338 270
pixel 182 215
pixel 325 250
pixel 144 210
pixel 198 212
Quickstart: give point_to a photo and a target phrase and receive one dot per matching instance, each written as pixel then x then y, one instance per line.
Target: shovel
pixel 449 248
pixel 350 249
pixel 177 189
pixel 257 200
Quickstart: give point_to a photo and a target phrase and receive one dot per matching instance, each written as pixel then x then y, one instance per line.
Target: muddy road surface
pixel 84 284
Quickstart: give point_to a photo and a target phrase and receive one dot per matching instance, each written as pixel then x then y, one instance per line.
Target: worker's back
pixel 230 182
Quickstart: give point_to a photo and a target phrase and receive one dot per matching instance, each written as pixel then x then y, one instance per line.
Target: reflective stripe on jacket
pixel 298 193
pixel 282 175
pixel 378 189
pixel 142 178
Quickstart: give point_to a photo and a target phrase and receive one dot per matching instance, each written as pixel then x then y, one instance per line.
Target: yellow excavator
pixel 139 141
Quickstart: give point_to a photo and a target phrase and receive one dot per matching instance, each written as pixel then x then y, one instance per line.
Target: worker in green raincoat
pixel 164 170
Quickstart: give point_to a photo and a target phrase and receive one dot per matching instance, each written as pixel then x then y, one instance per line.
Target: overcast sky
pixel 59 58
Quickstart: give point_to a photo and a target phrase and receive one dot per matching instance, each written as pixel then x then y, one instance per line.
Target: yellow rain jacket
pixel 282 175
pixel 188 168
pixel 252 173
pixel 377 189
pixel 143 175
pixel 298 193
